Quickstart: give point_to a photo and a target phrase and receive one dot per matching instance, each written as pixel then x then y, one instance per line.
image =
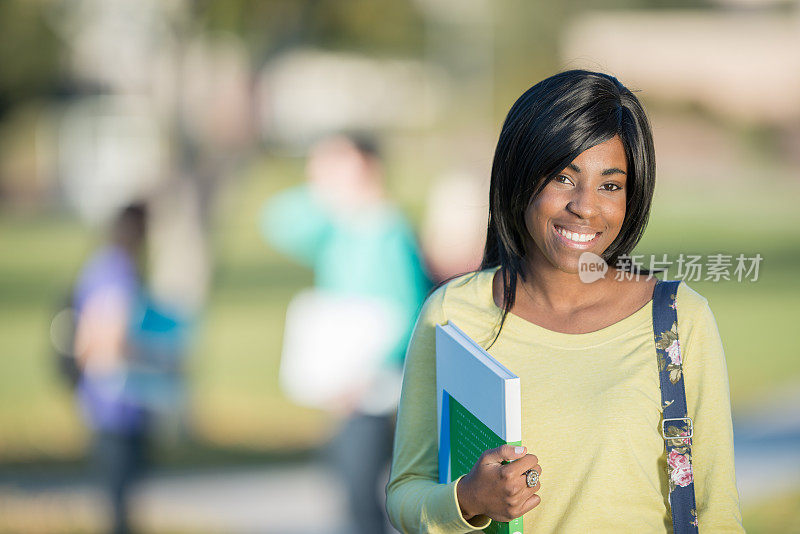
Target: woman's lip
pixel 575 244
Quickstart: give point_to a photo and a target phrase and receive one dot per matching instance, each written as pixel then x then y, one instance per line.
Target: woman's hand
pixel 499 490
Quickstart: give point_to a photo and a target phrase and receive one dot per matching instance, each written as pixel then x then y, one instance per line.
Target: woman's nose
pixel 583 203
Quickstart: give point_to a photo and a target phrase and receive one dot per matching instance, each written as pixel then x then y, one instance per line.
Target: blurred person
pixel 601 361
pixel 107 299
pixel 342 225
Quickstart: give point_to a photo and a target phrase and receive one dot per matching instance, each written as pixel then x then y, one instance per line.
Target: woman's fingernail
pixel 519 450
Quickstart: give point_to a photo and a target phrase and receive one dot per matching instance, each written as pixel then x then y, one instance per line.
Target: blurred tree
pixel 29 53
pixel 379 26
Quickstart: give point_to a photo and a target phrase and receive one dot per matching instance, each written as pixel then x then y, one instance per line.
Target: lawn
pixel 232 370
pixel 234 401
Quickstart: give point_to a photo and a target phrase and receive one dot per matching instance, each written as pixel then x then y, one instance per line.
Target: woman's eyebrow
pixel 607 172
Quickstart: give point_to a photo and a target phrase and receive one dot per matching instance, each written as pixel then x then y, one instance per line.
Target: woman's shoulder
pixel 692 307
pixel 695 318
pixel 690 303
pixel 467 293
pixel 688 300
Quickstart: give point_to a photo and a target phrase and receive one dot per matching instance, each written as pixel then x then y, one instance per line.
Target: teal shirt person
pixel 341 224
pixel 370 251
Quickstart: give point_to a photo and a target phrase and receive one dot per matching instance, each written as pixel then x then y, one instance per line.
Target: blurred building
pixel 306 93
pixel 741 64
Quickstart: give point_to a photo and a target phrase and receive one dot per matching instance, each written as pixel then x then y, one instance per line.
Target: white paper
pixel 334 344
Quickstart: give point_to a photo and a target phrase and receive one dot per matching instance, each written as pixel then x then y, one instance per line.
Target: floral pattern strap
pixel 675 422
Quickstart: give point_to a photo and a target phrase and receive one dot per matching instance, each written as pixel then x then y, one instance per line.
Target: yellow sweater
pixel 591 410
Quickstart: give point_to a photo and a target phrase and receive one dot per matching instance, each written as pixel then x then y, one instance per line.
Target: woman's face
pixel 580 210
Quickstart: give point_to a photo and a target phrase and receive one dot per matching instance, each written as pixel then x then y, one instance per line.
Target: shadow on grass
pixel 189 455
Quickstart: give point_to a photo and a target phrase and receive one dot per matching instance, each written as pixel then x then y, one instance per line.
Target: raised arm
pixel 295 223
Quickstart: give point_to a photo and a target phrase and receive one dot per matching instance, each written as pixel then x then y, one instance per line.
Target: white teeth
pixel 573 236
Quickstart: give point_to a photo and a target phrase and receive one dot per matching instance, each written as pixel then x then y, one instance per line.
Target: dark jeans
pixel 119 460
pixel 361 452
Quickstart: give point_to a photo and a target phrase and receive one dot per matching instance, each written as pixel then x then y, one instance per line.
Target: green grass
pixel 234 398
pixel 755 319
pixel 234 401
pixel 777 515
pixel 38 258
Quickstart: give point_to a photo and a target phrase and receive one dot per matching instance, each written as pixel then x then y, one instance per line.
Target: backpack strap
pixel 676 426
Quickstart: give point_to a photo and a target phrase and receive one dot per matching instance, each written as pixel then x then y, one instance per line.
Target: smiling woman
pixel 582 208
pixel 602 365
pixel 569 129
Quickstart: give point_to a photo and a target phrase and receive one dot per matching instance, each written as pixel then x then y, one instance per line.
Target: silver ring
pixel 531 478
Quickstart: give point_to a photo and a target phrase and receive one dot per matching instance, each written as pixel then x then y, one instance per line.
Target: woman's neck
pixel 549 288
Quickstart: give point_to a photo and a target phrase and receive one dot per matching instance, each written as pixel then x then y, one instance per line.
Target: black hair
pixel 365 143
pixel 130 224
pixel 546 129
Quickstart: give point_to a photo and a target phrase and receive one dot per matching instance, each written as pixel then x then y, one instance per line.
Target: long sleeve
pixel 416 502
pixel 708 402
pixel 295 224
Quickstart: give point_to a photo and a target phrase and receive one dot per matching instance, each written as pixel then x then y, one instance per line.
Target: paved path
pixel 293 499
pixel 306 498
pixel 767 447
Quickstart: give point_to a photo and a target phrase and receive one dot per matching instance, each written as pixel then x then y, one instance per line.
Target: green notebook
pixel 479 408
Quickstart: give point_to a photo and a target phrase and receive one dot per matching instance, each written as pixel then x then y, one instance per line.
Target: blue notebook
pixel 479 408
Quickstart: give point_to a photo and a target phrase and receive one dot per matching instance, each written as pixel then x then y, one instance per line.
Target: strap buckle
pixel 688 421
